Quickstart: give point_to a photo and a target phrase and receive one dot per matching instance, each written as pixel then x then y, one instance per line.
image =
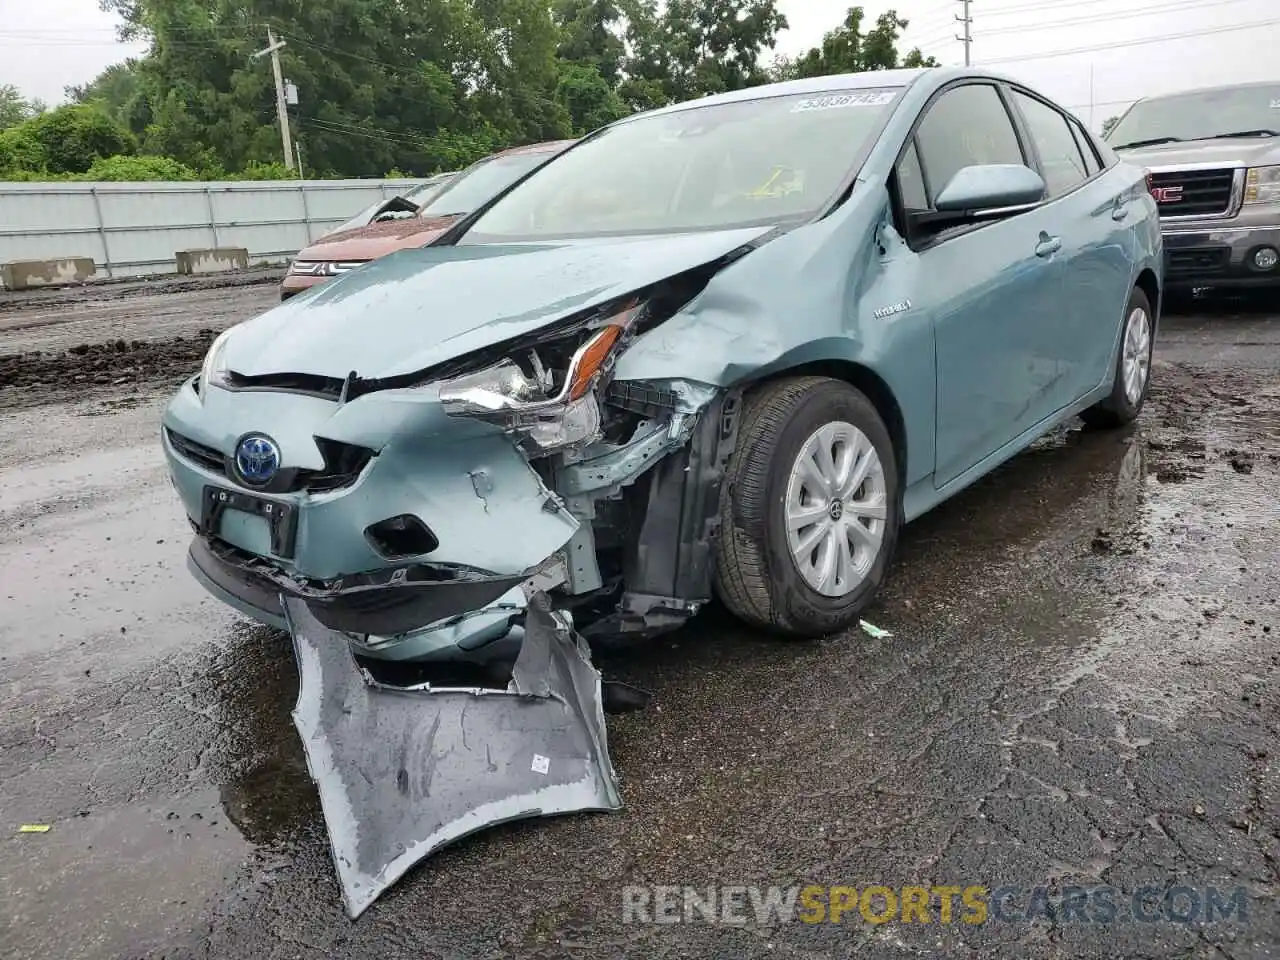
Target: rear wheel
pixel 1133 368
pixel 809 510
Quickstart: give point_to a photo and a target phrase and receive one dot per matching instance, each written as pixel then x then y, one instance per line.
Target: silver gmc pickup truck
pixel 1213 157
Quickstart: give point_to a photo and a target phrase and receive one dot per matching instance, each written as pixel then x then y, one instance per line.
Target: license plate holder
pixel 282 518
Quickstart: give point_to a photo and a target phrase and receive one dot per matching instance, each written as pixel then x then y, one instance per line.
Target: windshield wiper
pixel 1261 132
pixel 1147 143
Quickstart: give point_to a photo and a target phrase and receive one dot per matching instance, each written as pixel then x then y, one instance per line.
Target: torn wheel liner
pixel 402 772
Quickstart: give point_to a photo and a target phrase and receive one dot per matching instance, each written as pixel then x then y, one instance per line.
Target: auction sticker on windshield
pixel 857 98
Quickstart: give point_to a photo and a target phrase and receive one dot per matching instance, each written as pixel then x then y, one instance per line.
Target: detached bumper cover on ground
pixel 403 772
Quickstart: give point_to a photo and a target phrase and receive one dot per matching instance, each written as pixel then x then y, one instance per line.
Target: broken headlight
pixel 214 370
pixel 546 392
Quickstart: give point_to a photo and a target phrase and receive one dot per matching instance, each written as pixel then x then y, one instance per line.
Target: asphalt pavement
pixel 1079 692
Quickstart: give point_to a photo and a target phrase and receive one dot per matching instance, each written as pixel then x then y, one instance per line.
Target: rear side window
pixel 966 126
pixel 1061 162
pixel 1091 163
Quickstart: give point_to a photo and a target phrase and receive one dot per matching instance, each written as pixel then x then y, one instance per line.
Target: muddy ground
pixel 1080 689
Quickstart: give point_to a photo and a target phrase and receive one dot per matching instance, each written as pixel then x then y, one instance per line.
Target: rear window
pixel 477 185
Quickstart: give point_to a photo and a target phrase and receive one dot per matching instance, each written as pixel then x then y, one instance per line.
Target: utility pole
pixel 282 109
pixel 967 39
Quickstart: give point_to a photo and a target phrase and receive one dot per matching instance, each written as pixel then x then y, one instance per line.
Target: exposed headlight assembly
pixel 544 393
pixel 1262 185
pixel 214 370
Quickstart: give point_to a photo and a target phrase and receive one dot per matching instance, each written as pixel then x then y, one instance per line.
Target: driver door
pixel 994 288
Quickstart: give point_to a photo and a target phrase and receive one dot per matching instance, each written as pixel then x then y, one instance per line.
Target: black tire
pixel 756 578
pixel 1116 409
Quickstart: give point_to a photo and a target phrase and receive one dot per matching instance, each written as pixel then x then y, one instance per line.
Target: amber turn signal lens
pixel 590 359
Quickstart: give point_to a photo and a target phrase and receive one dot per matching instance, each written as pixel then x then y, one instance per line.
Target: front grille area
pixel 197 453
pixel 1193 193
pixel 343 464
pixel 1196 261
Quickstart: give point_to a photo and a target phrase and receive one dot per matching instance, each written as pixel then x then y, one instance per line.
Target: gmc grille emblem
pixel 1167 194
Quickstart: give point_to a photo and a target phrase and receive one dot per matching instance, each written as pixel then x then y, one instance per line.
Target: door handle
pixel 1120 210
pixel 1048 245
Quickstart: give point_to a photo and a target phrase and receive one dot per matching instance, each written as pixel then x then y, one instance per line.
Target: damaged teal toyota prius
pixel 722 349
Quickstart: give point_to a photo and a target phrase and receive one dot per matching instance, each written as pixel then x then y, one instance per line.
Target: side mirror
pixel 990 186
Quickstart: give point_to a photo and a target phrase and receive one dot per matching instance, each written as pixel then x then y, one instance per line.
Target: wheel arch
pixel 866 381
pixel 1149 284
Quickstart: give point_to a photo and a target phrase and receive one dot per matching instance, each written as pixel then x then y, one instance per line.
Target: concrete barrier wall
pixel 134 229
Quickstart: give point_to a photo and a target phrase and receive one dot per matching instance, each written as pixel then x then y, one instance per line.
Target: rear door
pixel 992 288
pixel 1093 215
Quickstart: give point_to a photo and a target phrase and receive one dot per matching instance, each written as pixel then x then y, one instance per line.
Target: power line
pixel 396 139
pixel 1190 34
pixel 1178 6
pixel 343 53
pixel 1102 103
pixel 1032 7
pixel 945 34
pixel 370 133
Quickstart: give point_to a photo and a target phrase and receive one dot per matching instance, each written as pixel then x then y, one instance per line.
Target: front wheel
pixel 1133 368
pixel 809 510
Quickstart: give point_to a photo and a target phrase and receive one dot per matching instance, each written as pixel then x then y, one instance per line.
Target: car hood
pixel 417 308
pixel 377 239
pixel 1251 151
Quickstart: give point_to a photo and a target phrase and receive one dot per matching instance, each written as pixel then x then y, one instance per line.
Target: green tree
pixel 66 140
pixel 587 97
pixel 419 87
pixel 117 92
pixel 691 48
pixel 851 49
pixel 1108 125
pixel 590 36
pixel 19 152
pixel 521 71
pixel 110 169
pixel 14 108
pixel 381 83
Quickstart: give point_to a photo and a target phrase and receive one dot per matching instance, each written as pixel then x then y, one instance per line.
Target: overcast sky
pixel 47 44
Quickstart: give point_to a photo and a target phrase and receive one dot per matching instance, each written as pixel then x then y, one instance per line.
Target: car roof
pixel 547 146
pixel 869 79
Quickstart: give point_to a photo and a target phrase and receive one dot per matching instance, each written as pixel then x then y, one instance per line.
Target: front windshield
pixel 721 166
pixel 477 185
pixel 424 191
pixel 1200 116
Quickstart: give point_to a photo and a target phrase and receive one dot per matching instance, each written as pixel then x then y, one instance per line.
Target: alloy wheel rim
pixel 1137 354
pixel 835 509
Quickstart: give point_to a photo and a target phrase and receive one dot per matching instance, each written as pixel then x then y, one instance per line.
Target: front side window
pixel 1061 163
pixel 479 183
pixel 716 167
pixel 1202 115
pixel 966 126
pixel 915 197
